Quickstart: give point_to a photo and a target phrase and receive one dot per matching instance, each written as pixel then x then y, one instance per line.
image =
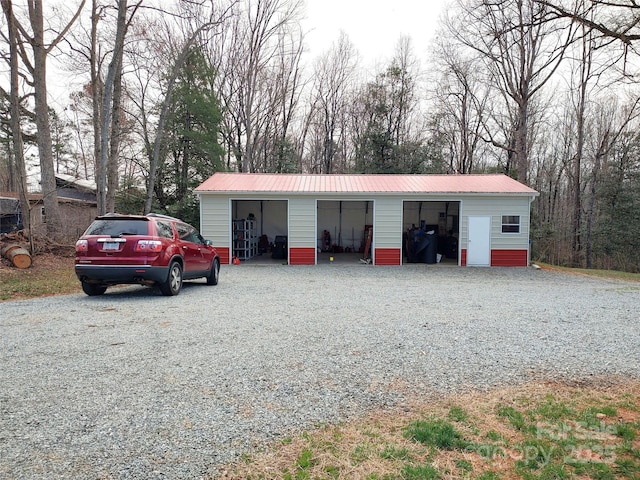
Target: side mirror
pixel 208 243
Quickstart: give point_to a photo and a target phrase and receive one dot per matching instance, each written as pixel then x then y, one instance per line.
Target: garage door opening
pixel 430 232
pixel 342 230
pixel 259 230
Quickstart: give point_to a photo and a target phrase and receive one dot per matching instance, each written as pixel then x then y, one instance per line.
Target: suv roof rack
pixel 160 215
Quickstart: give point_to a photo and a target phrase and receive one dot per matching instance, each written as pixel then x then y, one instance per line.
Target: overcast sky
pixel 373 26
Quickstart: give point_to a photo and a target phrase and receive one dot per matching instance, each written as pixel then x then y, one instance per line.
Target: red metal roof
pixel 299 183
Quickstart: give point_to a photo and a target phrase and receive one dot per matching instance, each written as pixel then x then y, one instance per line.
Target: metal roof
pixel 383 184
pixel 79 183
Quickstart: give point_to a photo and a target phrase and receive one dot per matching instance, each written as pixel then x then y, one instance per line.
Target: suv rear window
pixel 115 227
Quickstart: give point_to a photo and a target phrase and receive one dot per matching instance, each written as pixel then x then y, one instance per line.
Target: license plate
pixel 110 246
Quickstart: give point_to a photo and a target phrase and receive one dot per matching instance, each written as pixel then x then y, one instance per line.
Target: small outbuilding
pixel 468 220
pixel 76 202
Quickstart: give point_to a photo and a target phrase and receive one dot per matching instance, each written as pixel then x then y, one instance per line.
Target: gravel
pixel 136 385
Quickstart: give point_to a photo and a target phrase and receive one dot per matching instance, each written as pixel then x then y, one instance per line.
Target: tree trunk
pixel 45 148
pixel 97 91
pixel 107 104
pixel 16 131
pixel 576 223
pixel 116 134
pixel 522 155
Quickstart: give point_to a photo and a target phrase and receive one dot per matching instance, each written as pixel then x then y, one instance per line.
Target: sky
pixel 373 26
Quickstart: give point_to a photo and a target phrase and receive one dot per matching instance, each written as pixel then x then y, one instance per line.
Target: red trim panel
pixel 225 259
pixel 302 256
pixel 463 257
pixel 509 258
pixel 387 256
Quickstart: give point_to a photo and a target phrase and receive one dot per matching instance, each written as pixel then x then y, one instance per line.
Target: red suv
pixel 143 249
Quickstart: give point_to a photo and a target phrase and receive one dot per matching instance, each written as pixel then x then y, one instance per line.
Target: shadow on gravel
pixel 120 292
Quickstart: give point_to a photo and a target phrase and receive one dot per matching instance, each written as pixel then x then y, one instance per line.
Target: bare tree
pixel 584 78
pixel 85 54
pixel 14 119
pixel 107 174
pixel 195 36
pixel 36 65
pixel 622 21
pixel 331 95
pixel 247 56
pixel 461 105
pixel 286 97
pixel 521 52
pixel 383 118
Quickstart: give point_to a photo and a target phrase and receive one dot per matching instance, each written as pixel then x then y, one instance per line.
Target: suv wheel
pixel 214 274
pixel 93 289
pixel 173 283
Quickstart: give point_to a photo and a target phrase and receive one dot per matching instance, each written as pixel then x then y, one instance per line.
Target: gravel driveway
pixel 136 385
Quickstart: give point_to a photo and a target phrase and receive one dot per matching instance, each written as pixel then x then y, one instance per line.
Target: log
pixel 17 255
pixel 7 248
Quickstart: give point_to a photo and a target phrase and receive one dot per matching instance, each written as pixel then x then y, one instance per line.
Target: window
pixel 511 224
pixel 187 233
pixel 115 227
pixel 164 229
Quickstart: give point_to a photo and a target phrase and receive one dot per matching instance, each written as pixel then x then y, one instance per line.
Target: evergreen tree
pixel 193 148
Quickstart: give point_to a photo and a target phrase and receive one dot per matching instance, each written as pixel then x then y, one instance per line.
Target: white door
pixel 479 247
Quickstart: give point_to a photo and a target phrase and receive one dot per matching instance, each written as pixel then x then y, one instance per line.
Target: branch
pixel 65 29
pixel 622 35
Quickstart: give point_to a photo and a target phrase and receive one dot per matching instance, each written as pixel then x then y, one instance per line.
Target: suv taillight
pixel 82 246
pixel 149 246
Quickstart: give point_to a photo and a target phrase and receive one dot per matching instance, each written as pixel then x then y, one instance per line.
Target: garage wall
pixel 303 218
pixel 215 222
pixel 506 248
pixel 496 208
pixel 302 231
pixel 387 231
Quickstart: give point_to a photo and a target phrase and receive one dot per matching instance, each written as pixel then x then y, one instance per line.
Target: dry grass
pixel 555 415
pixel 592 272
pixel 48 275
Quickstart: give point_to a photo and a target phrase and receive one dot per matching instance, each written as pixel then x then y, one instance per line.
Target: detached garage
pixel 468 220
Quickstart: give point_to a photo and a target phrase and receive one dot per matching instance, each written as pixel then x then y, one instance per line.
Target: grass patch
pixel 391 452
pixel 611 274
pixel 626 431
pixel 553 410
pixel 458 414
pixel 435 432
pixel 48 275
pixel 420 472
pixel 548 431
pixel 513 416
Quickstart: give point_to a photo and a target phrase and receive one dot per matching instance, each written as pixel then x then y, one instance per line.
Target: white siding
pixel 496 208
pixel 302 222
pixel 300 216
pixel 215 221
pixel 387 225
